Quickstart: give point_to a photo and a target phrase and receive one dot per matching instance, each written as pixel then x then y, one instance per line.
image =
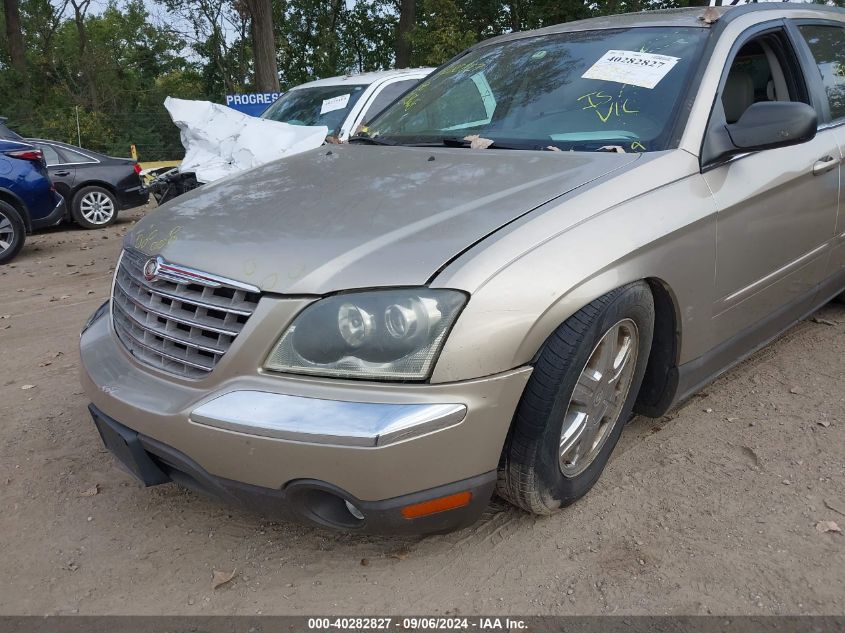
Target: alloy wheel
pixel 7 233
pixel 598 397
pixel 96 207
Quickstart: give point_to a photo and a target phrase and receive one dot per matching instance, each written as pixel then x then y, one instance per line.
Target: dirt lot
pixel 710 509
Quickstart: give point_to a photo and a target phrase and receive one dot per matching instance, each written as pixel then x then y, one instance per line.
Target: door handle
pixel 824 165
pixel 61 173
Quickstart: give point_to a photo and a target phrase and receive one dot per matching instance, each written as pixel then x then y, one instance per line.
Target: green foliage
pixel 116 81
pixel 115 67
pixel 440 33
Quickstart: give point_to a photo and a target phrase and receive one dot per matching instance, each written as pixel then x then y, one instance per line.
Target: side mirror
pixel 771 124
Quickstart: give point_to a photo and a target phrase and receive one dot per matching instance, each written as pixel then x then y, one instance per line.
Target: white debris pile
pixel 220 141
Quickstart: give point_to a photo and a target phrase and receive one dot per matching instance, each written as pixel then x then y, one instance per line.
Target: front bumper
pixel 306 501
pixel 289 446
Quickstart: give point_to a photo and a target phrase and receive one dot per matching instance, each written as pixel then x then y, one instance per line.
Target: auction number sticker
pixel 335 103
pixel 630 67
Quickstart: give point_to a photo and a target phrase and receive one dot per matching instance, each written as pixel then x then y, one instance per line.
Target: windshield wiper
pixel 369 140
pixel 457 141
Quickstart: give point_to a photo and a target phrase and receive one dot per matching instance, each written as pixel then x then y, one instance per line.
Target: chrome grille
pixel 182 322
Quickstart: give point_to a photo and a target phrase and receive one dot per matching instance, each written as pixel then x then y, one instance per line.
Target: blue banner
pixel 253 103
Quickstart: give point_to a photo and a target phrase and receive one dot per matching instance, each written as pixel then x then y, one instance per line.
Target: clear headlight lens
pixel 380 334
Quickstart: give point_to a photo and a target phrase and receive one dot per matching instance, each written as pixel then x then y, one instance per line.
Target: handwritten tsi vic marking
pixel 605 105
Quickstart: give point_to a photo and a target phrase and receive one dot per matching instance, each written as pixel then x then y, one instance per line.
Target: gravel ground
pixel 710 509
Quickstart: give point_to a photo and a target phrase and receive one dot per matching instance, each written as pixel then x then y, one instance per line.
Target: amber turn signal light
pixel 434 506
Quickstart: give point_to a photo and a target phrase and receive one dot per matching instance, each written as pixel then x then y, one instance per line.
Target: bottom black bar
pixel 492 623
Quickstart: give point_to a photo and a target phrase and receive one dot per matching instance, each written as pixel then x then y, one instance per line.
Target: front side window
pixel 827 44
pixel 320 105
pixel 578 91
pixel 387 95
pixel 760 72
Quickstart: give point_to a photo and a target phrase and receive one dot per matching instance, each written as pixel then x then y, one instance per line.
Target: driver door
pixel 776 208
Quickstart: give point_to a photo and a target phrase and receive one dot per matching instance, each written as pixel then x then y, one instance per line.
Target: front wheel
pixel 12 232
pixel 577 401
pixel 94 207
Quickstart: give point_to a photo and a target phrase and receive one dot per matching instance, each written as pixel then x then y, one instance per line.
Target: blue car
pixel 28 200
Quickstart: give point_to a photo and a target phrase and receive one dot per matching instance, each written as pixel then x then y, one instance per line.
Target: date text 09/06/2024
pixel 416 623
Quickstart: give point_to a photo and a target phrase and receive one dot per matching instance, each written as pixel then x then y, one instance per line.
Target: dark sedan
pixel 95 186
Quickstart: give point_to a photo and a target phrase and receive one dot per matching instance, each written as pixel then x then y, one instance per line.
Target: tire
pixel 531 471
pixel 94 207
pixel 12 232
pixel 840 298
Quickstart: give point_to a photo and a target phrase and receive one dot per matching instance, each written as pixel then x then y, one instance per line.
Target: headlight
pixel 380 334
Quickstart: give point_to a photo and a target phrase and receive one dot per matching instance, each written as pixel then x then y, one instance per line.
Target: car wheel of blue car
pixel 12 232
pixel 94 207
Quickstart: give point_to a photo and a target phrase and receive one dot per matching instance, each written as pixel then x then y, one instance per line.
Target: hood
pixel 358 216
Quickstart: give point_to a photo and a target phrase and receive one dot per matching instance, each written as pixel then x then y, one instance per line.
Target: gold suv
pixel 554 230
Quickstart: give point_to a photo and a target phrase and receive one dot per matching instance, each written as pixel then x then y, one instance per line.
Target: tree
pixel 218 35
pixel 114 63
pixel 14 36
pixel 441 32
pixel 80 10
pixel 407 19
pixel 264 45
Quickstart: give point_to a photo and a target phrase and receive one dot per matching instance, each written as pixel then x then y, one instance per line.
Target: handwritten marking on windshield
pixel 463 67
pixel 599 100
pixel 409 101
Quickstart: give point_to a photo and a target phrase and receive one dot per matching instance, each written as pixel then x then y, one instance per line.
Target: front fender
pixel 658 222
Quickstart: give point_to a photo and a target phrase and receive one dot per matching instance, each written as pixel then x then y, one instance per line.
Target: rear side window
pixel 827 43
pixel 387 96
pixel 75 157
pixel 50 155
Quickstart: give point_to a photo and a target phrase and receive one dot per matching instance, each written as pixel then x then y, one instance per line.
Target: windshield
pixel 583 91
pixel 323 105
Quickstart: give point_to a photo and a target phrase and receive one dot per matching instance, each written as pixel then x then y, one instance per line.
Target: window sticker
pixel 335 103
pixel 630 67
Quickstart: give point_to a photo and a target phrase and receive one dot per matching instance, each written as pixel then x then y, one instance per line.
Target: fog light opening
pixel 354 511
pixel 326 507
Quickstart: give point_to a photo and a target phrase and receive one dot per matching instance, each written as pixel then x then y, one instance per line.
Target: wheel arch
pixel 661 377
pixel 64 189
pixel 12 199
pixel 93 183
pixel 660 381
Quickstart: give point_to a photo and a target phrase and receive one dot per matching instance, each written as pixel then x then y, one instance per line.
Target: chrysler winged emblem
pixel 151 267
